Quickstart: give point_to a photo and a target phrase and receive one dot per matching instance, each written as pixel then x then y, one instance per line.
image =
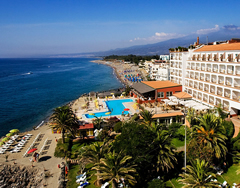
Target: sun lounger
pixel 105 185
pixel 84 184
pixel 81 179
pixel 81 175
pixel 15 150
pixel 2 152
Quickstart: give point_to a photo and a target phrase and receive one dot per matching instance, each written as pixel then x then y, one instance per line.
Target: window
pixel 160 94
pixel 169 93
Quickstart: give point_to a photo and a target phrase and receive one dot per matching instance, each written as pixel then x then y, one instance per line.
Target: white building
pixel 157 71
pixel 211 74
pixel 164 57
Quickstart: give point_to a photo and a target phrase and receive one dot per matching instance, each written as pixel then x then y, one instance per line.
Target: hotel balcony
pixel 209 69
pixel 236 96
pixel 229 72
pixel 222 71
pixel 203 68
pixel 180 74
pixel 215 70
pixel 198 68
pixel 207 79
pixel 211 100
pixel 214 80
pixel 201 77
pixel 227 93
pixel 228 83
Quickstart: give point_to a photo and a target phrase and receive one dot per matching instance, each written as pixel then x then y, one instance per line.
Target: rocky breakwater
pixel 20 176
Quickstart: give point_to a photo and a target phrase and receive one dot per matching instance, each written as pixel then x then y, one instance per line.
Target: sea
pixel 31 88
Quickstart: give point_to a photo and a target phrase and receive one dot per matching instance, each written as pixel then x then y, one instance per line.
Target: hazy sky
pixel 38 27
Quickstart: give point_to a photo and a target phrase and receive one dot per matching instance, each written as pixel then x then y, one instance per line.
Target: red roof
pixel 86 126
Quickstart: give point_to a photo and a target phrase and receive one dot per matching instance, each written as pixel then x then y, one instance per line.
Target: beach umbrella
pixel 9 134
pixel 1 143
pixel 14 131
pixel 5 139
pixel 31 150
pixel 126 109
pixel 91 114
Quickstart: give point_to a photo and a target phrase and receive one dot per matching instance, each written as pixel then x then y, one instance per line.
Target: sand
pixel 47 160
pixel 119 69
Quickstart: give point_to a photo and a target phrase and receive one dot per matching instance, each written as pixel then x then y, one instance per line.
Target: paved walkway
pixel 236 123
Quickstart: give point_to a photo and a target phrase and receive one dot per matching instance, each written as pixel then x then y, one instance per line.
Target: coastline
pixel 119 68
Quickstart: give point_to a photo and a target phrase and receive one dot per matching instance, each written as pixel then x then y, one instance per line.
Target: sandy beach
pixel 119 69
pixel 47 160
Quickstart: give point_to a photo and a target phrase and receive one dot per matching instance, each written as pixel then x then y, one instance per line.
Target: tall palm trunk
pixel 99 181
pixel 63 136
pixel 114 184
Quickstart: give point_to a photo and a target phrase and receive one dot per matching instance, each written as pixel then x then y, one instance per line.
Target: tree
pixel 210 133
pixel 198 175
pixel 115 168
pixel 147 117
pixel 166 156
pixel 98 122
pixel 63 118
pixel 138 142
pixel 93 154
pixel 191 116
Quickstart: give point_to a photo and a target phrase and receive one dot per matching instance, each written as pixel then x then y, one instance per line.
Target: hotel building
pixel 210 73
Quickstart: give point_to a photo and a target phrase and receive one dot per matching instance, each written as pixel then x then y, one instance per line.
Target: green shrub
pixel 118 127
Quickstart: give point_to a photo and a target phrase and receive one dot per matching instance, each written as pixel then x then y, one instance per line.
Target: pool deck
pixel 79 111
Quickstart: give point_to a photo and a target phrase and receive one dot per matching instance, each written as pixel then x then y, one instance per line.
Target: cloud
pixel 231 27
pixel 210 30
pixel 158 37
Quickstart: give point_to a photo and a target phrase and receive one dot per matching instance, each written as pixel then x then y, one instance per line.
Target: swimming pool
pixel 115 106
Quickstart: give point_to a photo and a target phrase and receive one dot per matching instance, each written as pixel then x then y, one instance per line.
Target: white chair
pixel 105 185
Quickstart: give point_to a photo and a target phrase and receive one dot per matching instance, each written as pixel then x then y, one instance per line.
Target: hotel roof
pixel 160 84
pixel 142 88
pixel 173 114
pixel 182 95
pixel 219 47
pixel 86 126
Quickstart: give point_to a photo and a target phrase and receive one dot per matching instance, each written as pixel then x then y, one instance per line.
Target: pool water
pixel 115 106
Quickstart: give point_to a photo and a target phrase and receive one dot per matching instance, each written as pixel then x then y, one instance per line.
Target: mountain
pixel 219 34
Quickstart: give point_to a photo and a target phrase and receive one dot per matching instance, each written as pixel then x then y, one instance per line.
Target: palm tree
pixel 93 154
pixel 98 122
pixel 199 175
pixel 191 116
pixel 63 118
pixel 210 133
pixel 166 155
pixel 147 117
pixel 114 168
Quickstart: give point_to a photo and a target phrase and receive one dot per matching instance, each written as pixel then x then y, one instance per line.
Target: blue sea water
pixel 31 88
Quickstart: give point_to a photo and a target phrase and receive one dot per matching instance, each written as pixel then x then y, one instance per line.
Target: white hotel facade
pixel 210 73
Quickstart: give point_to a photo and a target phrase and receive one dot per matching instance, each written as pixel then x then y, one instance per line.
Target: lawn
pixel 231 175
pixel 73 172
pixel 177 143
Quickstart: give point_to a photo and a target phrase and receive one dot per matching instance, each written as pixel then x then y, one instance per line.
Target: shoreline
pixel 114 69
